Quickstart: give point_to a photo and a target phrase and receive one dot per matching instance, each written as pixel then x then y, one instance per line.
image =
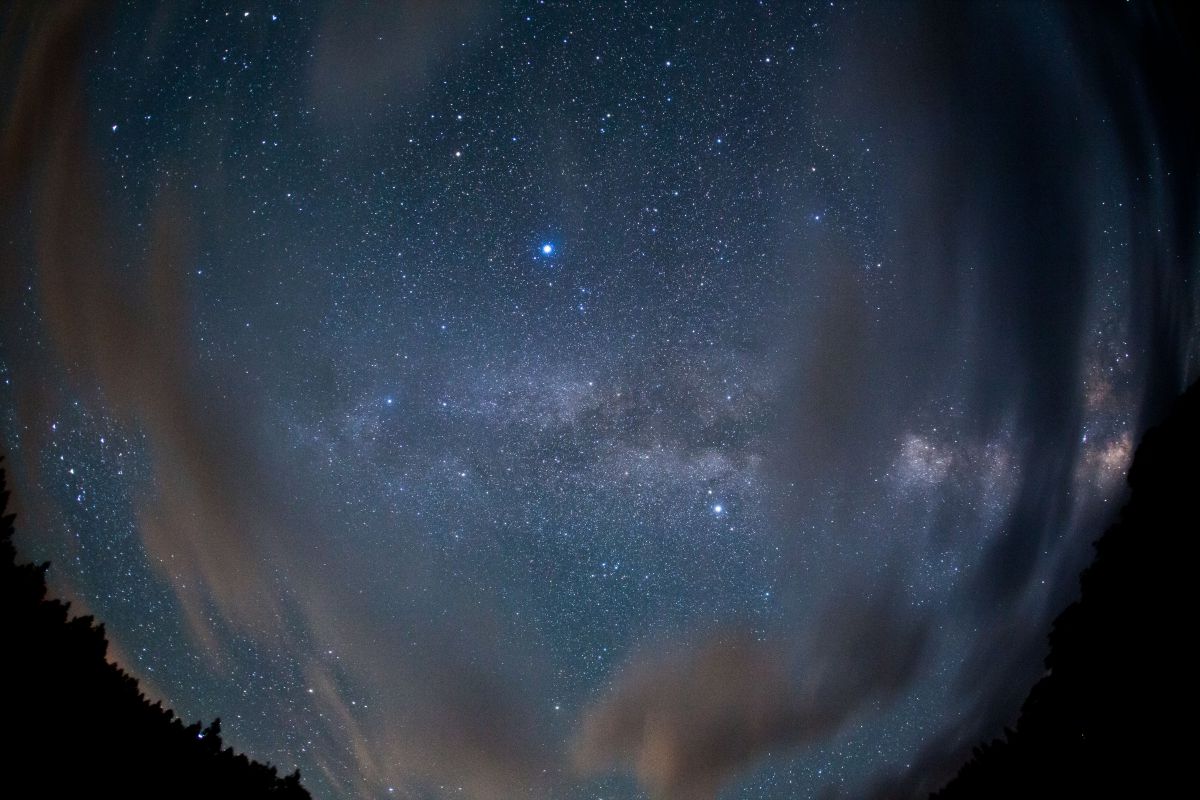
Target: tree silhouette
pixel 1105 720
pixel 79 726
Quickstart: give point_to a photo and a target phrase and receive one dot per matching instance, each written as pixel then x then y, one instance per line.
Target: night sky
pixel 588 400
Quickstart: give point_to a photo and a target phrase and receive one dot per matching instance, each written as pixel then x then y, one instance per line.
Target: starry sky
pixel 588 400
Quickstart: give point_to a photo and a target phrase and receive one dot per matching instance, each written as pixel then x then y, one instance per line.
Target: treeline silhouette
pixel 78 726
pixel 1113 715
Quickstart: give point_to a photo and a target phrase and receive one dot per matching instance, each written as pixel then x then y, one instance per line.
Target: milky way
pixel 559 399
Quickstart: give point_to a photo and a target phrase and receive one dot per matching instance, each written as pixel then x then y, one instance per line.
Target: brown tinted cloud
pixel 687 722
pixel 219 518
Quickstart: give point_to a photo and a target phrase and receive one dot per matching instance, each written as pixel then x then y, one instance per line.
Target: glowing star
pixel 718 509
pixel 547 249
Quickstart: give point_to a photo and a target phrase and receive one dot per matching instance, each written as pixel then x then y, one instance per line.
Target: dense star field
pixel 588 400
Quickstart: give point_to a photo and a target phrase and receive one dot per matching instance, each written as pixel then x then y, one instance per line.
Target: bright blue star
pixel 547 249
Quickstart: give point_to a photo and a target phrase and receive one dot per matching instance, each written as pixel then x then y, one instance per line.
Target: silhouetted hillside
pixel 1112 716
pixel 77 726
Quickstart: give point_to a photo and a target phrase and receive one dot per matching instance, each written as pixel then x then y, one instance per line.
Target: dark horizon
pixel 553 400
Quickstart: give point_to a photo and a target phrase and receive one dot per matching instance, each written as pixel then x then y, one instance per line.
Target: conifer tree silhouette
pixel 79 726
